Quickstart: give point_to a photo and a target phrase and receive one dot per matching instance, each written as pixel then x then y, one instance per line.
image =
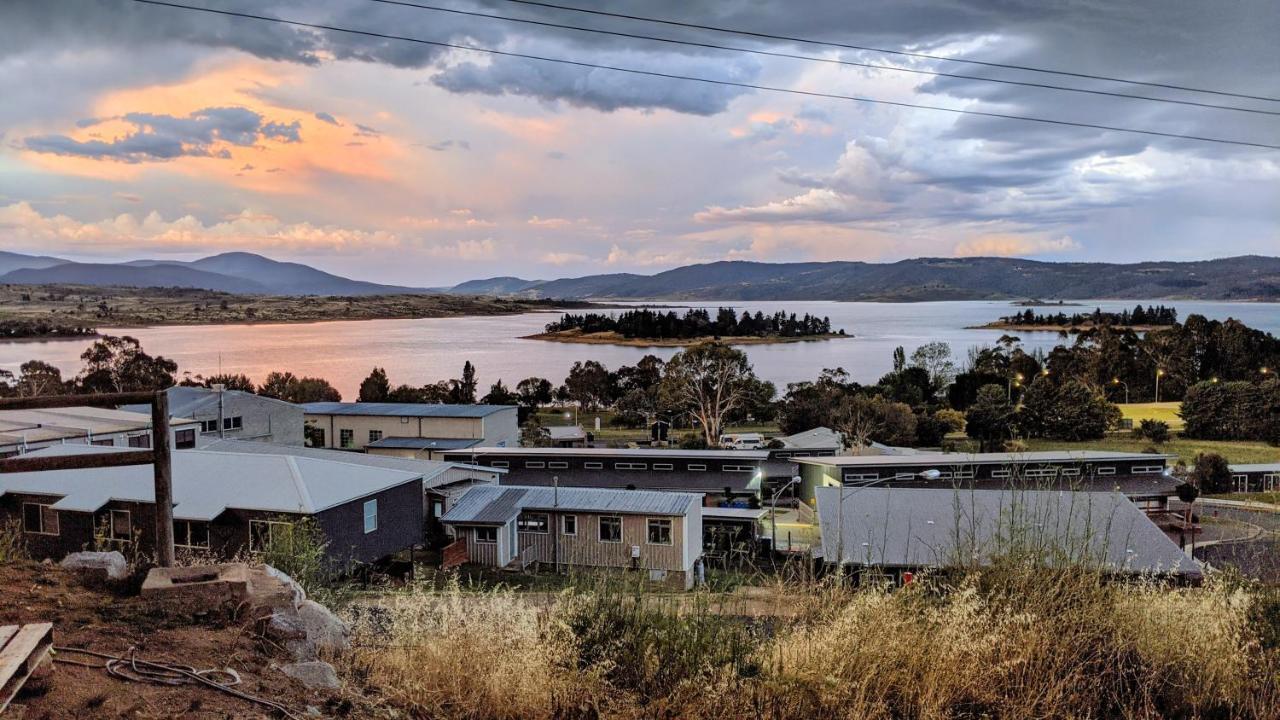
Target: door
pixel 1240 483
pixel 1271 482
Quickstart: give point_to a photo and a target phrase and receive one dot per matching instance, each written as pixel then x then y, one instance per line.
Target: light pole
pixel 773 511
pixel 1118 381
pixel 1159 373
pixel 1015 379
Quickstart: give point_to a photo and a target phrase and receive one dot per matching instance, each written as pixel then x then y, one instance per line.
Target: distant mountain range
pixel 979 278
pixel 1240 278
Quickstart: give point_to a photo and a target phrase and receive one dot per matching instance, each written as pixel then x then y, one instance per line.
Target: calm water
pixel 420 351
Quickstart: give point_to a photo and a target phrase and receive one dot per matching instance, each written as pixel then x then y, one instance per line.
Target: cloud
pixel 1014 245
pixel 549 223
pixel 366 131
pixel 465 250
pixel 158 137
pixel 563 258
pixel 326 117
pixel 447 144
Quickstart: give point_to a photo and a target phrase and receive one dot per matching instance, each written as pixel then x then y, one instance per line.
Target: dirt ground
pixel 115 621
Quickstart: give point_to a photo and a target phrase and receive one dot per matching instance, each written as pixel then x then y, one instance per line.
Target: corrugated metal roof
pixel 404 409
pixel 207 482
pixel 497 505
pixel 748 455
pixel 732 513
pixel 566 432
pixel 429 469
pixel 414 443
pixel 184 400
pixel 910 527
pixel 1002 458
pixel 1256 467
pixel 708 482
pixel 43 425
pixel 819 437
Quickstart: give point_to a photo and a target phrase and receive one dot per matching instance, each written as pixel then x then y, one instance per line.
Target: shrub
pixel 1157 431
pixel 1211 473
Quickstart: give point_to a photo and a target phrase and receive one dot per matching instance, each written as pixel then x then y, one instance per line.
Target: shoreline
pixel 1063 328
pixel 615 339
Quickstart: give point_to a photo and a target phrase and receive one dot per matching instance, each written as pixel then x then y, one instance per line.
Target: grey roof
pixel 205 483
pixel 819 437
pixel 425 410
pixel 1256 468
pixel 626 452
pixel 566 432
pixel 187 401
pixel 416 443
pixel 732 513
pixel 911 527
pixel 20 427
pixel 488 504
pixel 1001 458
pixel 431 470
pixel 708 482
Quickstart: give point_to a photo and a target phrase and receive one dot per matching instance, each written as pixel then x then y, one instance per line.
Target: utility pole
pixel 163 463
pixel 218 388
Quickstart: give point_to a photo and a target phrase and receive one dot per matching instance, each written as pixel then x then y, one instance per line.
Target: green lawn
pixel 1271 497
pixel 1166 411
pixel 1235 451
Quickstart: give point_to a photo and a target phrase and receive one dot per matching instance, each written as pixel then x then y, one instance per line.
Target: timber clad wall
pixel 498 428
pixel 586 549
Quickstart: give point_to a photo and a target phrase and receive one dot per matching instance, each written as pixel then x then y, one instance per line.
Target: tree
pixel 499 394
pixel 464 390
pixel 863 419
pixel 278 385
pixel 710 381
pixel 375 388
pixel 990 419
pixel 229 381
pixel 36 377
pixel 405 394
pixel 1211 473
pixel 286 386
pixel 589 385
pixel 1070 410
pixel 118 364
pixel 532 434
pixel 809 405
pixel 935 359
pixel 535 392
pixel 1157 431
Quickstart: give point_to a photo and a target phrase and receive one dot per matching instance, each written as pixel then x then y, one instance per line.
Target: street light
pixel 1118 381
pixel 773 511
pixel 1159 373
pixel 1015 379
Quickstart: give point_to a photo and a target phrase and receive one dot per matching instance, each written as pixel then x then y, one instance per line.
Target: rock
pixel 98 565
pixel 308 631
pixel 313 674
pixel 299 595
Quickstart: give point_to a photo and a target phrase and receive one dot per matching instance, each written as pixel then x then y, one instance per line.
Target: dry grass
pixel 1011 641
pixel 13 546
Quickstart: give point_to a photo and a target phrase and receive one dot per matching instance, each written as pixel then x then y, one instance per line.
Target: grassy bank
pixel 1166 412
pixel 1005 642
pixel 1235 451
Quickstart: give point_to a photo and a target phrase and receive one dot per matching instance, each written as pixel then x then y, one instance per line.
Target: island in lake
pixel 645 327
pixel 1140 319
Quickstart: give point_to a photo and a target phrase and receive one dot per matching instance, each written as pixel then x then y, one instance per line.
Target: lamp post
pixel 1159 373
pixel 773 511
pixel 1118 381
pixel 1014 379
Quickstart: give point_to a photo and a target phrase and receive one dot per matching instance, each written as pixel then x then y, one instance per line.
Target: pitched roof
pixel 819 437
pixel 69 423
pixel 489 504
pixel 746 455
pixel 415 443
pixel 1001 458
pixel 205 483
pixel 565 432
pixel 424 410
pixel 431 470
pixel 185 400
pixel 912 527
pixel 697 481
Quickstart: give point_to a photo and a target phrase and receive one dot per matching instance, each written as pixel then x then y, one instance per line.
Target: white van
pixel 742 441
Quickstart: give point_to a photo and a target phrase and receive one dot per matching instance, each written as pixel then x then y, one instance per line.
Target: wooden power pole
pixel 163 464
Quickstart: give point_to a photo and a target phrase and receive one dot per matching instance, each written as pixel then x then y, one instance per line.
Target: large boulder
pixel 299 595
pixel 313 674
pixel 309 631
pixel 97 566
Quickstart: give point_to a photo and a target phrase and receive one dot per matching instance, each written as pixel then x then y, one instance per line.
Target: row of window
pixel 182 440
pixel 1001 473
pixel 235 422
pixel 595 465
pixel 658 530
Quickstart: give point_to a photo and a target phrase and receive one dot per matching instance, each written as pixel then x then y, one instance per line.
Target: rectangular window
pixel 487 535
pixel 610 529
pixel 346 438
pixel 140 441
pixel 663 466
pixel 374 436
pixel 370 515
pixel 963 474
pixel 404 420
pixel 262 533
pixel 659 531
pixel 534 464
pixel 39 519
pixel 1070 471
pixel 861 477
pixel 208 426
pixel 592 466
pixel 533 523
pixel 1040 472
pixel 1000 473
pixel 103 443
pixel 317 437
pixel 569 525
pixel 697 467
pixel 738 468
pixel 1147 469
pixel 557 466
pixel 630 466
pixel 1107 470
pixel 235 422
pixel 500 463
pixel 904 476
pixel 191 534
pixel 184 439
pixel 120 527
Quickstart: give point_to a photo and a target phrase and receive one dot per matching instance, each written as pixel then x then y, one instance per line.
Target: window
pixel 500 463
pixel 370 515
pixel 963 474
pixel 659 531
pixel 262 533
pixel 184 439
pixel 592 466
pixel 663 466
pixel 1040 472
pixel 610 529
pixel 904 476
pixel 208 426
pixel 738 468
pixel 533 523
pixel 346 438
pixel 374 436
pixel 120 526
pixel 630 466
pixel 191 534
pixel 534 464
pixel 317 437
pixel 861 477
pixel 557 466
pixel 1108 470
pixel 569 525
pixel 1240 483
pixel 1070 471
pixel 404 421
pixel 235 422
pixel 1147 469
pixel 697 467
pixel 140 441
pixel 486 534
pixel 1000 473
pixel 39 519
pixel 106 443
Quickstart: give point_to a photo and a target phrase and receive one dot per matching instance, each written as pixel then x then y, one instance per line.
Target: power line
pixel 692 78
pixel 903 53
pixel 811 58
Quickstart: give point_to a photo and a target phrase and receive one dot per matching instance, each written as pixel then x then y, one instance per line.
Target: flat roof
pixel 759 455
pixel 565 432
pixel 206 483
pixel 915 527
pixel 1001 458
pixel 423 410
pixel 415 443
pixel 50 424
pixel 732 513
pixel 709 482
pixel 187 400
pixel 1256 467
pixel 431 470
pixel 488 504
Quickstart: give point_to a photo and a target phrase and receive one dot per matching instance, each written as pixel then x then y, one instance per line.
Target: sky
pixel 130 130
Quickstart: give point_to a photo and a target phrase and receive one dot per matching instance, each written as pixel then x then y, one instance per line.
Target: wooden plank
pixel 20 657
pixel 6 632
pixel 76 462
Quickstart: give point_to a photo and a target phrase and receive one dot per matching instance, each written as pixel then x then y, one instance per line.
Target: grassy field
pixel 1166 411
pixel 1235 451
pixel 1272 498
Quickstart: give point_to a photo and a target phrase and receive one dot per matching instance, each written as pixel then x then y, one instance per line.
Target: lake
pixel 420 351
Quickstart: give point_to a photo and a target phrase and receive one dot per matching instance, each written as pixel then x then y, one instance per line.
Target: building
pixel 657 533
pixel 357 426
pixel 817 441
pixel 889 531
pixel 567 436
pixel 234 414
pixel 721 475
pixel 443 483
pixel 418 448
pixel 224 503
pixel 1140 476
pixel 1257 477
pixel 23 431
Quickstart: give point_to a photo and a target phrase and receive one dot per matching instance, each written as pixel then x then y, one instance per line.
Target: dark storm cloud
pixel 165 137
pixel 326 117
